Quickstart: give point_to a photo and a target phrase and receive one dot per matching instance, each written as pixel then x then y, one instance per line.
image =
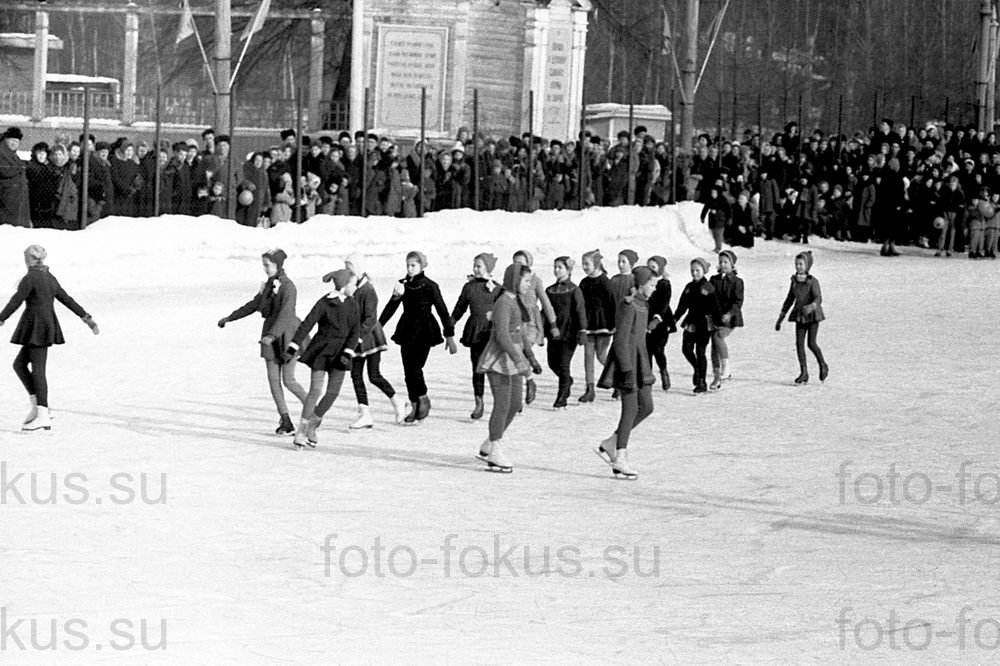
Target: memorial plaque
pixel 410 58
pixel 558 79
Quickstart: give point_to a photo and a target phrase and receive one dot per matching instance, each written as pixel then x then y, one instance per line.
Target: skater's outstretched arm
pixel 442 312
pixel 307 325
pixel 24 289
pixel 246 310
pixel 462 304
pixel 68 301
pixel 390 308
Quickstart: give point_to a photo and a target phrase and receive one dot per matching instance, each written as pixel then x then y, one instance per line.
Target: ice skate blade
pixel 622 476
pixel 497 469
pixel 24 429
pixel 364 427
pixel 603 455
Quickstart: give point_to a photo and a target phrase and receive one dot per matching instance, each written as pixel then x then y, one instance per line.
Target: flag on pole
pixel 187 27
pixel 665 50
pixel 257 22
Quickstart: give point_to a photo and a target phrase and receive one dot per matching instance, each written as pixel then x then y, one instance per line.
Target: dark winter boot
pixel 802 378
pixel 665 379
pixel 285 426
pixel 412 416
pixel 530 391
pixel 562 395
pixel 423 408
pixel 824 372
pixel 701 386
pixel 588 395
pixel 477 413
pixel 536 367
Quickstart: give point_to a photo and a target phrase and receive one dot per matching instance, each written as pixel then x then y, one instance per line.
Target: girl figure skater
pixel 417 331
pixel 629 371
pixel 478 296
pixel 571 320
pixel 276 304
pixel 661 318
pixel 621 284
pixel 729 292
pixel 330 354
pixel 600 307
pixel 804 293
pixel 369 352
pixel 533 333
pixel 37 330
pixel 504 363
pixel 698 302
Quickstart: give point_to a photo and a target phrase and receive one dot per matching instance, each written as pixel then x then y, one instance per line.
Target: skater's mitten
pixel 452 347
pixel 556 335
pixel 288 355
pixel 89 321
pixel 652 325
pixel 397 291
pixel 267 340
pixel 777 324
pixel 524 369
pixel 809 308
pixel 223 322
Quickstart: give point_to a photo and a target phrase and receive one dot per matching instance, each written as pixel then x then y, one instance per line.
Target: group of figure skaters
pixel 623 322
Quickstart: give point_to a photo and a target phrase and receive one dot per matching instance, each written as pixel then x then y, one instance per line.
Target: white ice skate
pixel 364 419
pixel 312 439
pixel 299 441
pixel 40 422
pixel 725 374
pixel 401 407
pixel 622 468
pixel 496 461
pixel 606 450
pixel 485 449
pixel 34 410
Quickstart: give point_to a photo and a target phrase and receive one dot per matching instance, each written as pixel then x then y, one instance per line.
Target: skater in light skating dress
pixel 661 318
pixel 329 354
pixel 629 371
pixel 477 297
pixel 600 306
pixel 805 300
pixel 571 320
pixel 504 364
pixel 369 352
pixel 417 331
pixel 621 284
pixel 275 302
pixel 729 293
pixel 534 329
pixel 700 305
pixel 37 330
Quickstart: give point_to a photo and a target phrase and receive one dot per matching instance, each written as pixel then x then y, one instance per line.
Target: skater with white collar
pixel 37 330
pixel 478 295
pixel 805 295
pixel 729 293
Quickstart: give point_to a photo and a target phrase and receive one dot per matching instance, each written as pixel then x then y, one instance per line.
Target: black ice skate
pixel 285 426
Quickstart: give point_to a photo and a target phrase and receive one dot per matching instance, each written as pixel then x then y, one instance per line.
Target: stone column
pixel 317 53
pixel 41 65
pixel 131 63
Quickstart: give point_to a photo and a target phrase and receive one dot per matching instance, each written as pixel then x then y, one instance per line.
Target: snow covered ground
pixel 856 521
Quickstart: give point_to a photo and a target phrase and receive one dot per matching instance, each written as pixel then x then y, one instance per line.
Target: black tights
pixel 478 378
pixel 374 376
pixel 33 378
pixel 693 346
pixel 802 332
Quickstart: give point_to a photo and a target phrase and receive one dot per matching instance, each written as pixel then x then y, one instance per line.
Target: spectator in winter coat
pixel 125 180
pixel 14 198
pixel 718 213
pixel 43 182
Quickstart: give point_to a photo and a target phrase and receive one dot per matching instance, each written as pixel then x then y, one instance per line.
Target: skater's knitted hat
pixel 595 258
pixel 512 276
pixel 701 262
pixel 631 255
pixel 567 262
pixel 488 259
pixel 276 256
pixel 661 264
pixel 419 256
pixel 529 260
pixel 641 275
pixel 340 278
pixel 35 255
pixel 807 257
pixel 730 255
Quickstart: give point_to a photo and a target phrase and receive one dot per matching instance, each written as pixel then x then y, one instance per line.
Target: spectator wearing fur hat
pixel 571 320
pixel 275 301
pixel 329 354
pixel 729 292
pixel 661 318
pixel 534 328
pixel 599 304
pixel 628 370
pixel 417 331
pixel 699 307
pixel 14 199
pixel 37 330
pixel 478 295
pixel 805 300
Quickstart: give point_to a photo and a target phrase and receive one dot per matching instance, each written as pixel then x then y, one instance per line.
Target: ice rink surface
pixel 856 521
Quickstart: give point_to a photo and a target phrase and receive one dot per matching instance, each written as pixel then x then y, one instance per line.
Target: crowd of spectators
pixel 935 184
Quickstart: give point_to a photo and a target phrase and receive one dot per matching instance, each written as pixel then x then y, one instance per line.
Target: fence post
pixel 156 148
pixel 230 188
pixel 85 177
pixel 41 65
pixel 423 145
pixel 672 194
pixel 364 154
pixel 583 157
pixel 630 190
pixel 913 108
pixel 475 145
pixel 298 156
pixel 732 137
pixel 840 128
pixel 947 104
pixel 530 176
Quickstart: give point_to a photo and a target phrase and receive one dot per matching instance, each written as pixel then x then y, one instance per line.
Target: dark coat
pixel 571 313
pixel 14 208
pixel 371 334
pixel 276 304
pixel 628 365
pixel 659 306
pixel 729 292
pixel 801 294
pixel 599 303
pixel 125 182
pixel 337 337
pixel 417 325
pixel 478 299
pixel 43 192
pixel 38 326
pixel 701 305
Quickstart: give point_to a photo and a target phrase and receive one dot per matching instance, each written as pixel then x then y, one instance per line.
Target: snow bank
pixel 178 250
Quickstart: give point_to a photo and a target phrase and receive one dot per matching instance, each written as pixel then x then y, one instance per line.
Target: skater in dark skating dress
pixel 629 371
pixel 698 301
pixel 600 306
pixel 504 363
pixel 534 329
pixel 805 295
pixel 661 318
pixel 417 331
pixel 571 320
pixel 37 330
pixel 729 292
pixel 276 303
pixel 477 297
pixel 329 354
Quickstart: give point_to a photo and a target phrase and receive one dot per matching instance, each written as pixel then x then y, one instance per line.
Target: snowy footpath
pixel 160 521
